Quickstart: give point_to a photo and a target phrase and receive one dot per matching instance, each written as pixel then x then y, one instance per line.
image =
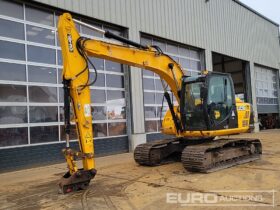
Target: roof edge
pixel 257 13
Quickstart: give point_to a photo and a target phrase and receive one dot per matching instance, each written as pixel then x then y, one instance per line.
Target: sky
pixel 268 8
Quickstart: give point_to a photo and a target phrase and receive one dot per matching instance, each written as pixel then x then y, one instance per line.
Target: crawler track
pixel 154 153
pixel 199 155
pixel 220 154
pixel 164 151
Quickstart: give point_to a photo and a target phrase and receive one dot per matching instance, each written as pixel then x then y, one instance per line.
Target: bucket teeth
pixel 78 181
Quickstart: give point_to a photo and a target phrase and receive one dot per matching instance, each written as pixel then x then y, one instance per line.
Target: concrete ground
pixel 122 184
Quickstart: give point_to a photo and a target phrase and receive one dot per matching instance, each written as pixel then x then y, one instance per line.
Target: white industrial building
pixel 217 35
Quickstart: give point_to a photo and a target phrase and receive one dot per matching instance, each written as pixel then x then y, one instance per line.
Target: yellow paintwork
pixel 73 63
pixel 243 112
pixel 72 166
pixel 146 59
pixel 217 114
pixel 197 102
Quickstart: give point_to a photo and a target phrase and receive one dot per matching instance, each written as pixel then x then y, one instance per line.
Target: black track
pixel 194 153
pixel 196 157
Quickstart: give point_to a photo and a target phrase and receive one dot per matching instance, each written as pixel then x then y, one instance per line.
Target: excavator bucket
pixel 78 181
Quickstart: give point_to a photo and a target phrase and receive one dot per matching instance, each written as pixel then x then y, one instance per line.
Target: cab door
pixel 221 107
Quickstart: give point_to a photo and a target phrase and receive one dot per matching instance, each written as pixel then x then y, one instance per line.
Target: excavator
pixel 207 108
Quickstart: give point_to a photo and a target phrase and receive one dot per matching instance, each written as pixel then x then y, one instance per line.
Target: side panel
pixel 244 112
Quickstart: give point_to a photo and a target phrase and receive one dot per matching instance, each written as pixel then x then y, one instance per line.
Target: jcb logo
pixel 70 43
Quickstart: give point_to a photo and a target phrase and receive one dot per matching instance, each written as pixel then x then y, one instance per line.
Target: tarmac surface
pixel 122 184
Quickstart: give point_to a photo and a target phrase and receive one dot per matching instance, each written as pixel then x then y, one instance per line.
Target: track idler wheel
pixel 78 181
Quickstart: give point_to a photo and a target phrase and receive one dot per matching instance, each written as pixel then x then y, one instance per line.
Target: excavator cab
pixel 208 102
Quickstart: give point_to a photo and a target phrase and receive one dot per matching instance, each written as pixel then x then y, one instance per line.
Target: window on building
pixel 40 35
pixel 11 29
pixel 31 90
pixel 12 50
pixel 41 54
pixel 13 136
pixel 43 114
pixel 12 93
pixel 190 60
pixel 43 134
pixel 12 71
pixel 42 74
pixel 266 86
pixel 13 114
pixel 11 9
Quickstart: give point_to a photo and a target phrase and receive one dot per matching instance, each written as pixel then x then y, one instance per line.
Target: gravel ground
pixel 121 184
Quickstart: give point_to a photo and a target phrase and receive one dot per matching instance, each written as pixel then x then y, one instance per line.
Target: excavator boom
pixel 75 52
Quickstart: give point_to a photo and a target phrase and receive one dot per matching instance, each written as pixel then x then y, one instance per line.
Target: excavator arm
pixel 148 58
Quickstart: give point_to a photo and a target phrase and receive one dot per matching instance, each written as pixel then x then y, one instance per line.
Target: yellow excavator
pixel 207 108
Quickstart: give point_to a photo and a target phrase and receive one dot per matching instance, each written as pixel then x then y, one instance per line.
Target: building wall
pixel 18 158
pixel 31 92
pixel 222 26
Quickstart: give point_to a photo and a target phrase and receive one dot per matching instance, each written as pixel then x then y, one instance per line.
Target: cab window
pixel 220 99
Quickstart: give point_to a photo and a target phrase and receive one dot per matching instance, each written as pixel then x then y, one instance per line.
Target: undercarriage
pixel 199 155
